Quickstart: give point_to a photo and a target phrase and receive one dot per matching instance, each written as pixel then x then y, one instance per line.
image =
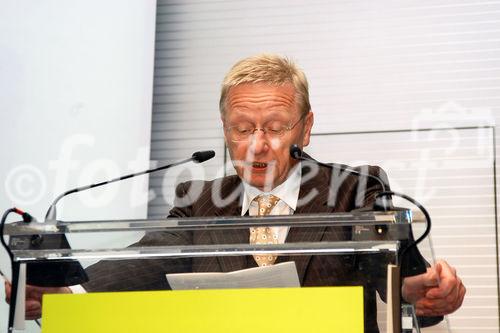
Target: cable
pixel 15 272
pixel 13 298
pixel 26 218
pixel 399 259
pixel 2 224
pixel 422 209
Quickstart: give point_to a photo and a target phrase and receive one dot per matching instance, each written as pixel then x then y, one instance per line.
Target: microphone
pixel 58 274
pixel 296 153
pixel 197 157
pixel 202 156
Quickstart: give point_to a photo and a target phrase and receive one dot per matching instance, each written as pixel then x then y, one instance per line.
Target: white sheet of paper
pixel 276 276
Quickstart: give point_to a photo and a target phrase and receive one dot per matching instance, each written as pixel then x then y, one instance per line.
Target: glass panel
pixel 320 250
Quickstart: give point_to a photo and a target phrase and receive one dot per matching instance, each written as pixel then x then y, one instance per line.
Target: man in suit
pixel 265 109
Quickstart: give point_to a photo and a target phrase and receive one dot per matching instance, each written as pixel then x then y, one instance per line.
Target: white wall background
pixel 372 66
pixel 75 108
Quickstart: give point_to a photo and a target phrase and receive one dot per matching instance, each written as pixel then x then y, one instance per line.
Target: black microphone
pixel 58 274
pixel 197 157
pixel 202 156
pixel 296 153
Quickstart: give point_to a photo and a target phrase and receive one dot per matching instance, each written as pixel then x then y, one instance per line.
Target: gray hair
pixel 267 68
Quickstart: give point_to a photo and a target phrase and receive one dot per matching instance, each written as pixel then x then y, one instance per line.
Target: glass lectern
pixel 344 250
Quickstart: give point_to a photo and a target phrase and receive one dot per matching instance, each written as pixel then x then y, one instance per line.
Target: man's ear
pixel 308 124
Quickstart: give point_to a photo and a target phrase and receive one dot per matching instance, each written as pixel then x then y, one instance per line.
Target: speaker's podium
pixel 324 273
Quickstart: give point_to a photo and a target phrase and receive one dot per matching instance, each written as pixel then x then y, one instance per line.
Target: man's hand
pixel 34 298
pixel 435 293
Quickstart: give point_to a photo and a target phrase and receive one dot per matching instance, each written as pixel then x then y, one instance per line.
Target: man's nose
pixel 258 142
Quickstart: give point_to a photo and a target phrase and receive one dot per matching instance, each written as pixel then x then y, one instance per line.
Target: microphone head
pixel 202 156
pixel 295 152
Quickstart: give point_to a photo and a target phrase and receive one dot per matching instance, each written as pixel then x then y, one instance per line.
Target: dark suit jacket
pixel 321 191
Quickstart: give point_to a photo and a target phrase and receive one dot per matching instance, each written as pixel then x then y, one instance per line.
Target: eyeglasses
pixel 241 133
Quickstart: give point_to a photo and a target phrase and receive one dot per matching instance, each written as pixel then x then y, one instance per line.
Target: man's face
pixel 263 159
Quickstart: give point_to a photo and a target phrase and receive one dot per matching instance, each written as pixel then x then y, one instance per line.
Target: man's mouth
pixel 259 165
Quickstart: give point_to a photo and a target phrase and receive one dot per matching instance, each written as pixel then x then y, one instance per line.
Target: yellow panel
pixel 318 309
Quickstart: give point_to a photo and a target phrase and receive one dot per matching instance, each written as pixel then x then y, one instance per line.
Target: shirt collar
pixel 288 191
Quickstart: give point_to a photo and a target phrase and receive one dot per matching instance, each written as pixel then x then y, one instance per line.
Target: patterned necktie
pixel 264 235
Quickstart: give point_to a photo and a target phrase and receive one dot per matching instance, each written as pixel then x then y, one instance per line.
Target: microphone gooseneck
pixel 197 157
pixel 296 153
pixel 55 274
